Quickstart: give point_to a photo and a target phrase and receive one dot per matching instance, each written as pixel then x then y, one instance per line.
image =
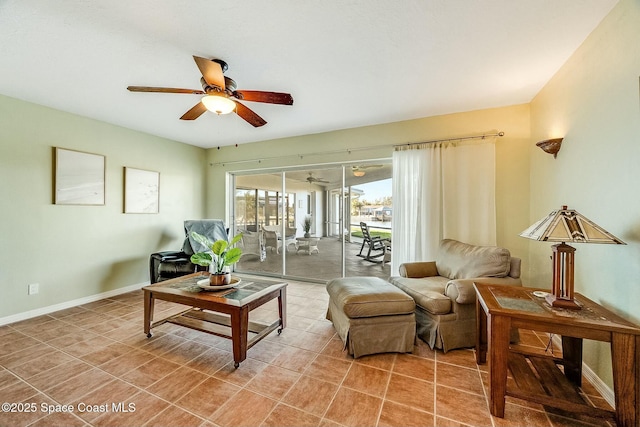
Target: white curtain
pixel 442 190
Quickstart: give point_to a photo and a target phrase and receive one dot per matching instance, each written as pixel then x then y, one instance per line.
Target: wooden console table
pixel 537 376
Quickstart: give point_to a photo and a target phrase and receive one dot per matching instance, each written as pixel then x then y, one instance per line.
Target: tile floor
pixel 96 360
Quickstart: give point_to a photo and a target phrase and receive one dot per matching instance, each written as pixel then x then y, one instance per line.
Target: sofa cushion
pixel 457 260
pixel 368 297
pixel 428 292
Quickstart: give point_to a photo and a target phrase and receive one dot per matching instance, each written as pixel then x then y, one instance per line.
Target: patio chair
pixel 271 230
pixel 270 239
pixel 252 244
pixel 377 246
pixel 289 239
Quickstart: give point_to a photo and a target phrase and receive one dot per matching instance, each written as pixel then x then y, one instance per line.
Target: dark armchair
pixel 169 264
pixel 377 246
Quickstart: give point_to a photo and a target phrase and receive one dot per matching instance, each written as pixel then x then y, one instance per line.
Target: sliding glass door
pixel 271 208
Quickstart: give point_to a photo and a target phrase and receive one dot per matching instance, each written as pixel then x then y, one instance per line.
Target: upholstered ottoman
pixel 371 316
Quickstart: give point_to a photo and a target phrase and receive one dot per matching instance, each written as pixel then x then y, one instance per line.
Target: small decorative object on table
pixel 306 226
pixel 224 256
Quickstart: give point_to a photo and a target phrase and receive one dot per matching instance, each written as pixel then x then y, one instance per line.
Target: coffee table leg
pixel 239 335
pixel 148 312
pixel 282 309
pixel 499 328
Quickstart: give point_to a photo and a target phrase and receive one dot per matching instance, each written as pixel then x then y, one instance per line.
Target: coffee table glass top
pixel 247 290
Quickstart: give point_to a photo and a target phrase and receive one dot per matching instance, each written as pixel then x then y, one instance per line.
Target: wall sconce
pixel 551 146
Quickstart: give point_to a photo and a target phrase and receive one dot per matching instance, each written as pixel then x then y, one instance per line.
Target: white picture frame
pixel 141 191
pixel 79 178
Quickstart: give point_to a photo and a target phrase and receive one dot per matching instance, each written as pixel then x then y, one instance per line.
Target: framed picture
pixel 79 178
pixel 141 191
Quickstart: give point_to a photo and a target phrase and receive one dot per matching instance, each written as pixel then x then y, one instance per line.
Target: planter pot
pixel 307 235
pixel 220 279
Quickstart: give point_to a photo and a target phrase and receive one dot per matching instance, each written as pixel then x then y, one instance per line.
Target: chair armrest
pixel 418 269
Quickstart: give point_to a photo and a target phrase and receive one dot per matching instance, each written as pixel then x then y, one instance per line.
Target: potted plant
pixel 306 225
pixel 224 255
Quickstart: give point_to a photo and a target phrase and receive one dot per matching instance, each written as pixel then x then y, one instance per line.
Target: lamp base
pixel 561 302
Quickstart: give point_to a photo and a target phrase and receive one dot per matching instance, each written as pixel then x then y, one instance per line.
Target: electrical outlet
pixel 34 288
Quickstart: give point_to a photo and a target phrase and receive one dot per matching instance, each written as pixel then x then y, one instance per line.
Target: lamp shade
pixel 567 225
pixel 218 104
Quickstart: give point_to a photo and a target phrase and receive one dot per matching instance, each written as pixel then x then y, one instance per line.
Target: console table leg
pixel 626 368
pixel 572 356
pixel 499 332
pixel 481 334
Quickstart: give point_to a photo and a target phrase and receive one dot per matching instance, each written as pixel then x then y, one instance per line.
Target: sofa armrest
pixel 418 269
pixel 463 292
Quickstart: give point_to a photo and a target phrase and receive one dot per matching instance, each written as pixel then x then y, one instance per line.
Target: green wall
pixel 75 252
pixel 593 102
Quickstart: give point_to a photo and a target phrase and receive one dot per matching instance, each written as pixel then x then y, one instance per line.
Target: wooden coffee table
pixel 536 375
pixel 224 313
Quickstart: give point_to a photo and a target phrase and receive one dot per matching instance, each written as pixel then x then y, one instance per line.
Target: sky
pixel 375 190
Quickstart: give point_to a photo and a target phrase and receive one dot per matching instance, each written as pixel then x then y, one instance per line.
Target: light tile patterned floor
pixel 96 359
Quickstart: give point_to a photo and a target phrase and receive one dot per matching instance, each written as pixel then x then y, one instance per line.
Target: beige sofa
pixel 444 294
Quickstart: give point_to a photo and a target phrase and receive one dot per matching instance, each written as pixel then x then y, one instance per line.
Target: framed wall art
pixel 141 191
pixel 79 178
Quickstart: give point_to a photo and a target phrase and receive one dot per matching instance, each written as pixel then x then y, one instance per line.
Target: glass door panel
pixel 369 201
pixel 316 255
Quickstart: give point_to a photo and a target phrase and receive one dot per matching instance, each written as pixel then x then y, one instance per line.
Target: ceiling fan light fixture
pixel 358 173
pixel 218 104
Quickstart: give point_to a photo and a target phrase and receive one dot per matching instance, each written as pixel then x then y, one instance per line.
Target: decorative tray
pixel 204 284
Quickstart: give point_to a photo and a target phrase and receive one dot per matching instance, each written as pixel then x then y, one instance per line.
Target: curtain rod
pixel 464 138
pixel 349 150
pixel 300 156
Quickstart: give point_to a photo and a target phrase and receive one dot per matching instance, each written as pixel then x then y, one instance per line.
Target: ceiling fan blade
pixel 164 90
pixel 211 71
pixel 261 96
pixel 195 112
pixel 249 115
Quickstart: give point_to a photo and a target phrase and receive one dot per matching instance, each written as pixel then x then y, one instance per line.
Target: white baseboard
pixel 68 304
pixel 604 390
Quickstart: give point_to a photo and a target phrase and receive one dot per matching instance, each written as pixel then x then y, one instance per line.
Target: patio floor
pixel 319 266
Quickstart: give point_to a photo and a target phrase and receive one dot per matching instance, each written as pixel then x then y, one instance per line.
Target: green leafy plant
pixel 306 224
pixel 222 253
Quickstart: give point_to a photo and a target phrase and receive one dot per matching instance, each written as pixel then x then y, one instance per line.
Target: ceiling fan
pixel 220 94
pixel 311 179
pixel 360 170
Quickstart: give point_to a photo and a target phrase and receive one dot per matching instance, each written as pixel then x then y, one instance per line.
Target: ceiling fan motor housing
pixel 223 64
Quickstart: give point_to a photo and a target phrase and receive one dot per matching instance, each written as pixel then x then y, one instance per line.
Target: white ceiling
pixel 347 63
